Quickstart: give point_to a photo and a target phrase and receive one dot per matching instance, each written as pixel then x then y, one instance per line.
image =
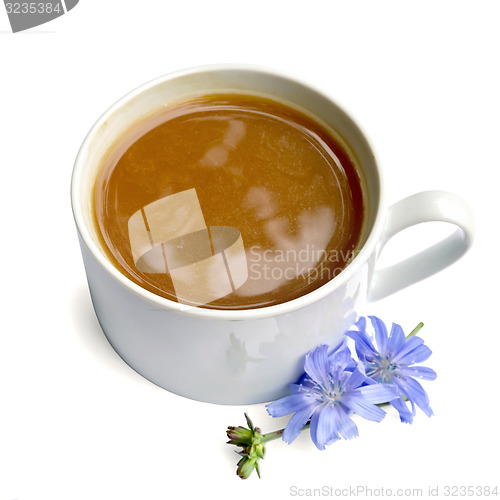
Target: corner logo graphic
pixel 170 236
pixel 25 15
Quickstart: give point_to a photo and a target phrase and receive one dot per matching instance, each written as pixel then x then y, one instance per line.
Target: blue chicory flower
pixel 332 389
pixel 389 359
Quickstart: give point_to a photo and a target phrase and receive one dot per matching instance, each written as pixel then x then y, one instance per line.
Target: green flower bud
pixel 252 442
pixel 246 467
pixel 239 436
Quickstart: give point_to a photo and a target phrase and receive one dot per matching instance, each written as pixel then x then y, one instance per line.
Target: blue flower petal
pixel 357 377
pixel 338 365
pixel 289 404
pixel 361 324
pixel 295 388
pixel 341 345
pixel 363 344
pixel 376 393
pixel 297 422
pixel 346 427
pixel 323 428
pixel 317 365
pixel 416 394
pixel 313 428
pixel 381 336
pixel 344 348
pixel 405 414
pixel 314 431
pixel 397 340
pixel 366 410
pixel 418 371
pixel 304 381
pixel 417 355
pixel 410 344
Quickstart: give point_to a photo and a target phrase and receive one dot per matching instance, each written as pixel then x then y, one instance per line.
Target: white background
pixel 422 79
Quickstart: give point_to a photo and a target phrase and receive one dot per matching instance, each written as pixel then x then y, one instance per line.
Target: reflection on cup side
pixel 170 236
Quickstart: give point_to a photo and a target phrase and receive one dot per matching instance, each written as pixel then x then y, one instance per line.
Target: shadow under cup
pixel 223 356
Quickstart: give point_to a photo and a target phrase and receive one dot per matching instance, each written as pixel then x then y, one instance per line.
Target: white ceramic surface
pixel 249 356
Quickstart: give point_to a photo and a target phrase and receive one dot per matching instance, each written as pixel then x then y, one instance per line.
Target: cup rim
pixel 222 314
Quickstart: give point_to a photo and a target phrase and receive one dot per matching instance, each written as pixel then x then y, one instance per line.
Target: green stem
pixel 270 436
pixel 415 330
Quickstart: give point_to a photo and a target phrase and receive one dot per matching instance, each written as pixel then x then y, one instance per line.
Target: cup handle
pixel 426 206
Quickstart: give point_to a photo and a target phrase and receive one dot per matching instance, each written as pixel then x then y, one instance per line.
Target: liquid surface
pixel 233 202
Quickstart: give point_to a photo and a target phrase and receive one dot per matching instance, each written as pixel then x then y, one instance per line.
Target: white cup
pixel 248 356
